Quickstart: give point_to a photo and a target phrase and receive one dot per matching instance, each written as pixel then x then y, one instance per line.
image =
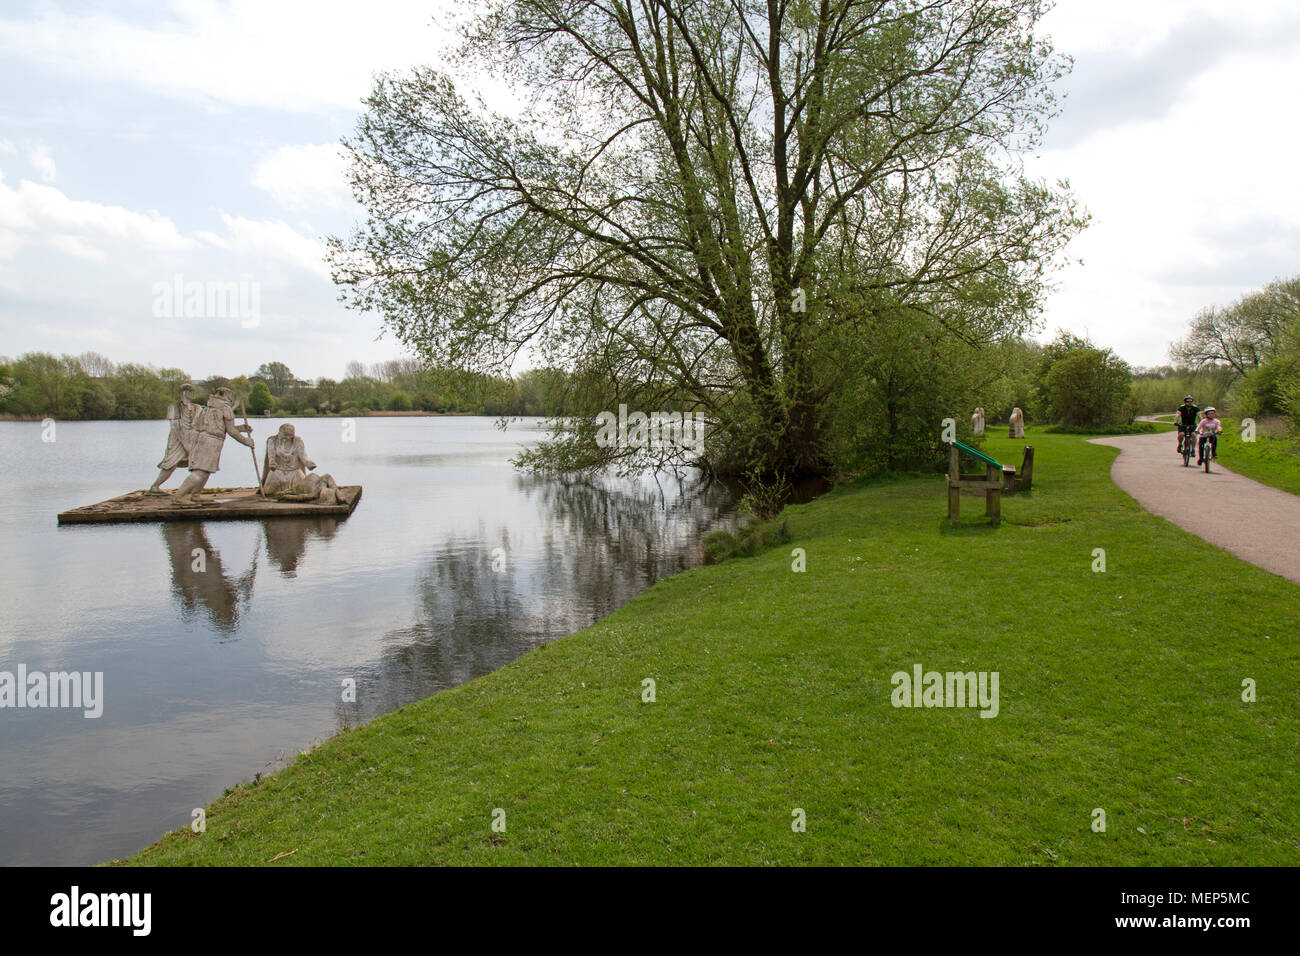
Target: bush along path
pixel 752 713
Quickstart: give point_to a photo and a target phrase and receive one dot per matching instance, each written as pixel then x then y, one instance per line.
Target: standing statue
pixel 285 470
pixel 182 418
pixel 1017 429
pixel 977 422
pixel 211 428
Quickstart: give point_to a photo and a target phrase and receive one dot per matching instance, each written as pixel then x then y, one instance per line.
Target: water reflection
pixel 484 601
pixel 453 565
pixel 199 578
pixel 286 539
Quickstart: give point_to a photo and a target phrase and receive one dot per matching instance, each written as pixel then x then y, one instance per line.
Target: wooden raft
pixel 227 504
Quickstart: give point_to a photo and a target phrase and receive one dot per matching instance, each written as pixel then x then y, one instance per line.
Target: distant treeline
pixel 92 387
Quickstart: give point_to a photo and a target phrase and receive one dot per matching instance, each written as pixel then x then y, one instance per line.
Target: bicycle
pixel 1206 445
pixel 1185 443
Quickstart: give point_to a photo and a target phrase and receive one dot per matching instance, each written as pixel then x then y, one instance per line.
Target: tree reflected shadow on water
pixel 484 602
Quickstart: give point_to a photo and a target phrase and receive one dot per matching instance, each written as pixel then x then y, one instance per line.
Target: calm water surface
pixel 212 676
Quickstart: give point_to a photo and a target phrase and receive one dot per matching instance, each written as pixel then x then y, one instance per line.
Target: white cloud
pixel 262 240
pixel 41 161
pixel 1193 195
pixel 78 336
pixel 77 247
pixel 1109 25
pixel 303 55
pixel 304 177
pixel 34 212
pixel 7 147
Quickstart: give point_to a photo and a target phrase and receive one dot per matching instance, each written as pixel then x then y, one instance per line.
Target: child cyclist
pixel 1186 420
pixel 1208 436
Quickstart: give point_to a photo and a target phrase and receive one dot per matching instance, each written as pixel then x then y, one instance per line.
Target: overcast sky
pixel 150 143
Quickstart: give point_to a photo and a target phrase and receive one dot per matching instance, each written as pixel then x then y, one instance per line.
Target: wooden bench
pixel 989 484
pixel 998 480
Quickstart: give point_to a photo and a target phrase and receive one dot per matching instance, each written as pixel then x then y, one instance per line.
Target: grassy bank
pixel 773 693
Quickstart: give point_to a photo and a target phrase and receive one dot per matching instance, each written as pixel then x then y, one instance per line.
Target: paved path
pixel 1257 523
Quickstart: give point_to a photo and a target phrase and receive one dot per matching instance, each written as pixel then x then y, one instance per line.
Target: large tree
pixel 276 375
pixel 712 204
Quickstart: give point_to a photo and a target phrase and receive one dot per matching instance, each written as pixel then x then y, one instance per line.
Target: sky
pixel 151 150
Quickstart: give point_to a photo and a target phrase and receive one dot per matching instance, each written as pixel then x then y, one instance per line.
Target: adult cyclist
pixel 1187 413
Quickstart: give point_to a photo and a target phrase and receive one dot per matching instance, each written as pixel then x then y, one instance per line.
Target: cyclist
pixel 1208 430
pixel 1186 420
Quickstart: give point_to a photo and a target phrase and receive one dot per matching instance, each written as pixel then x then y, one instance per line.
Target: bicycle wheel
pixel 1207 453
pixel 1187 450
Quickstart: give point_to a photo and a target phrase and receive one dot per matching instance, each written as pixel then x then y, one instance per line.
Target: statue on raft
pixel 182 419
pixel 285 471
pixel 211 426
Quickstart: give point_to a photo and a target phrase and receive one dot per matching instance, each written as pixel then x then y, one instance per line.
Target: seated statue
pixel 285 468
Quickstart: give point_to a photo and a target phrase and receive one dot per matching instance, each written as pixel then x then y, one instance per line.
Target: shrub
pixel 746 542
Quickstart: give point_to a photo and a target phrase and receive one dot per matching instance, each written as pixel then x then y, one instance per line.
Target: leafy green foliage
pixel 1081 384
pixel 1160 390
pixel 741 200
pixel 259 398
pixel 63 386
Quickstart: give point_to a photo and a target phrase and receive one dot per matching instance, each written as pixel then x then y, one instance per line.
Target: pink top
pixel 1209 426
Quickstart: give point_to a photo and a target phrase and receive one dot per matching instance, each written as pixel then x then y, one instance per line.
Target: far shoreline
pixel 11 417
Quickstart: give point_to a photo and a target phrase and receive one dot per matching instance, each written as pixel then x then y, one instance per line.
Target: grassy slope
pixel 773 693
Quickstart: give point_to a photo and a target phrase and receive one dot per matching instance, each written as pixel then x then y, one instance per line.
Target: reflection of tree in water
pixel 602 543
pixel 286 539
pixel 208 588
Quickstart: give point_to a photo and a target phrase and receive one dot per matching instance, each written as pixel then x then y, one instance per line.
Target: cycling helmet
pixel 1209 408
pixel 1188 398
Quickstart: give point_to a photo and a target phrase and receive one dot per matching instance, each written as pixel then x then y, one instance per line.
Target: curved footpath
pixel 1257 523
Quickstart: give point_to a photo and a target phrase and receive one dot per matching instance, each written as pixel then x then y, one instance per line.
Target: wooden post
pixel 954 490
pixel 993 495
pixel 1008 479
pixel 1027 469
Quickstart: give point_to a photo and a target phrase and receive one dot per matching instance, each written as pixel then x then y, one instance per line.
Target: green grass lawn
pixel 773 693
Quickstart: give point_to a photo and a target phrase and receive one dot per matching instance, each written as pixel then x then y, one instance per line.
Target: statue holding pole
pixel 212 426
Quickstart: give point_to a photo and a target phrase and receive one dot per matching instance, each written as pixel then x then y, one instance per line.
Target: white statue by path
pixel 977 422
pixel 182 418
pixel 212 425
pixel 1017 429
pixel 285 468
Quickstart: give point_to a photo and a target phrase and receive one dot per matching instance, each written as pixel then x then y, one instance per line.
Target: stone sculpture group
pixel 196 435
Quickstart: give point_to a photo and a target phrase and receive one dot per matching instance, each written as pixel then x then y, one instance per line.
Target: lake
pixel 225 645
